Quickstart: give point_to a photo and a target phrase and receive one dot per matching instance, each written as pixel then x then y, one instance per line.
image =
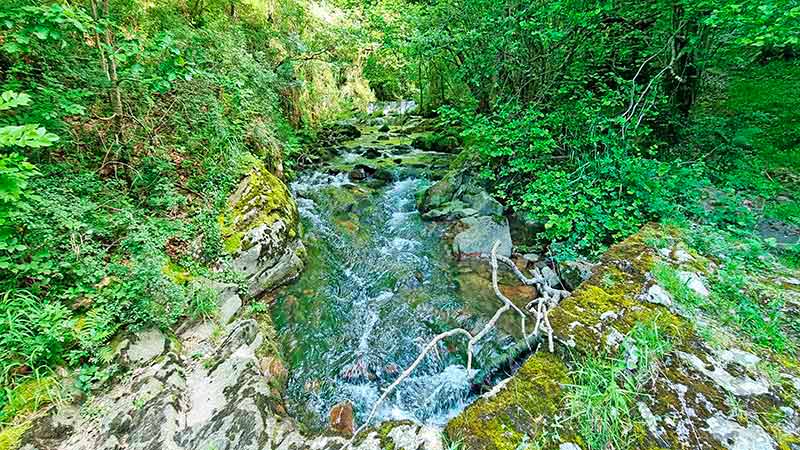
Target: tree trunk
pixel 116 97
pixel 684 75
pixel 103 61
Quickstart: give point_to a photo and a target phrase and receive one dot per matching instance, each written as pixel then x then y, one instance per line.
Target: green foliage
pixel 593 118
pixel 28 396
pixel 38 26
pixel 203 301
pixel 602 398
pixel 15 170
pixel 772 26
pixel 33 334
pixel 601 405
pixel 15 173
pixel 586 199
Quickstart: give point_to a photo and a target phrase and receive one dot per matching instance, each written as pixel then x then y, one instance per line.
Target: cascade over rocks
pixel 392 108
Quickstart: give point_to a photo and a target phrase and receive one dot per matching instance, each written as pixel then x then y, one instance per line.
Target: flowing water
pixel 379 285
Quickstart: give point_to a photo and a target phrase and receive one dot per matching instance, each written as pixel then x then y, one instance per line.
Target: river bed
pixel 380 283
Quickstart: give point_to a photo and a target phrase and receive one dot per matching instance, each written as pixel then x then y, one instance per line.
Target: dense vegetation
pixel 152 113
pixel 595 117
pixel 124 126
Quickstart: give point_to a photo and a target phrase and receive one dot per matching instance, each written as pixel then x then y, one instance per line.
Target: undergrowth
pixel 111 184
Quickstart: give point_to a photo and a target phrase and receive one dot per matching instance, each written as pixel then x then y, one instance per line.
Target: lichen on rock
pixel 261 231
pixel 698 396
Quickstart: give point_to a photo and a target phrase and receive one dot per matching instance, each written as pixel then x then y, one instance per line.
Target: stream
pixel 379 284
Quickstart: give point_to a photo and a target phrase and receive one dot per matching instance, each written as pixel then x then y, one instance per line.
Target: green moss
pixel 175 344
pixel 614 287
pixel 11 435
pixel 233 243
pixel 176 273
pixel 261 199
pixel 578 317
pixel 520 409
pixel 30 395
pixel 773 420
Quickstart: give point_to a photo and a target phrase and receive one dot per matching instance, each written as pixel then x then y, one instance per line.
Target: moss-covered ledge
pixel 503 417
pixel 261 231
pixel 609 303
pixel 261 199
pixel 696 394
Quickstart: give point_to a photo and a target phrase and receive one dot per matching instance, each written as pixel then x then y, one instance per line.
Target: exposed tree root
pixel 549 298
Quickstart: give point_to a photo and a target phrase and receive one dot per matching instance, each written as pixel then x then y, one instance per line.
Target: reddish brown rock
pixel 342 418
pixel 273 367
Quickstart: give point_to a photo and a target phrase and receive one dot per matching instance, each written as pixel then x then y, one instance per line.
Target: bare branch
pixel 550 297
pixel 406 373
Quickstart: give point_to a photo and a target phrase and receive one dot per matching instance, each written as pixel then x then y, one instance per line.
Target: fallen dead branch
pixel 549 298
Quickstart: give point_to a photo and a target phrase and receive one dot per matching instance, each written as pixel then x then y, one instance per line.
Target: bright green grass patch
pixel 734 301
pixel 10 436
pixel 602 399
pixel 28 396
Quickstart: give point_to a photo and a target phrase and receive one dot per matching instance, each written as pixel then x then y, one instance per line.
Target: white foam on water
pixel 350 157
pixel 376 329
pixel 317 180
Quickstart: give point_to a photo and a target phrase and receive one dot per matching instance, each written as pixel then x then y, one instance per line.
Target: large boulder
pixel 480 235
pixel 261 231
pixel 436 142
pixel 448 198
pixel 222 401
pixel 692 393
pixel 337 133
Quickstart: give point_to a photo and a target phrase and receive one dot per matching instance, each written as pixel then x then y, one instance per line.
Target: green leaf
pixel 41 32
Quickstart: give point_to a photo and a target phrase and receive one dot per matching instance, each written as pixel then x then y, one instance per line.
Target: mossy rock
pixel 608 301
pixel 261 230
pixel 29 396
pixel 520 408
pixel 261 199
pixel 440 193
pixel 698 396
pixel 437 142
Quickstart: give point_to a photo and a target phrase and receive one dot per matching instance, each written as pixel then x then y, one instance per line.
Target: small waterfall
pixel 378 288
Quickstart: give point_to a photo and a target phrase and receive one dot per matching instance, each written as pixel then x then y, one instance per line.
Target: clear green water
pixel 379 285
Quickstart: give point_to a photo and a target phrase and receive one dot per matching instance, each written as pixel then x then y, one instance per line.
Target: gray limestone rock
pixel 657 295
pixel 569 446
pixel 261 228
pixel 736 437
pixel 146 346
pixel 737 385
pixel 480 235
pixel 694 282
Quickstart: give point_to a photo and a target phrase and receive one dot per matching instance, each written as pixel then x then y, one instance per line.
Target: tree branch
pixel 550 298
